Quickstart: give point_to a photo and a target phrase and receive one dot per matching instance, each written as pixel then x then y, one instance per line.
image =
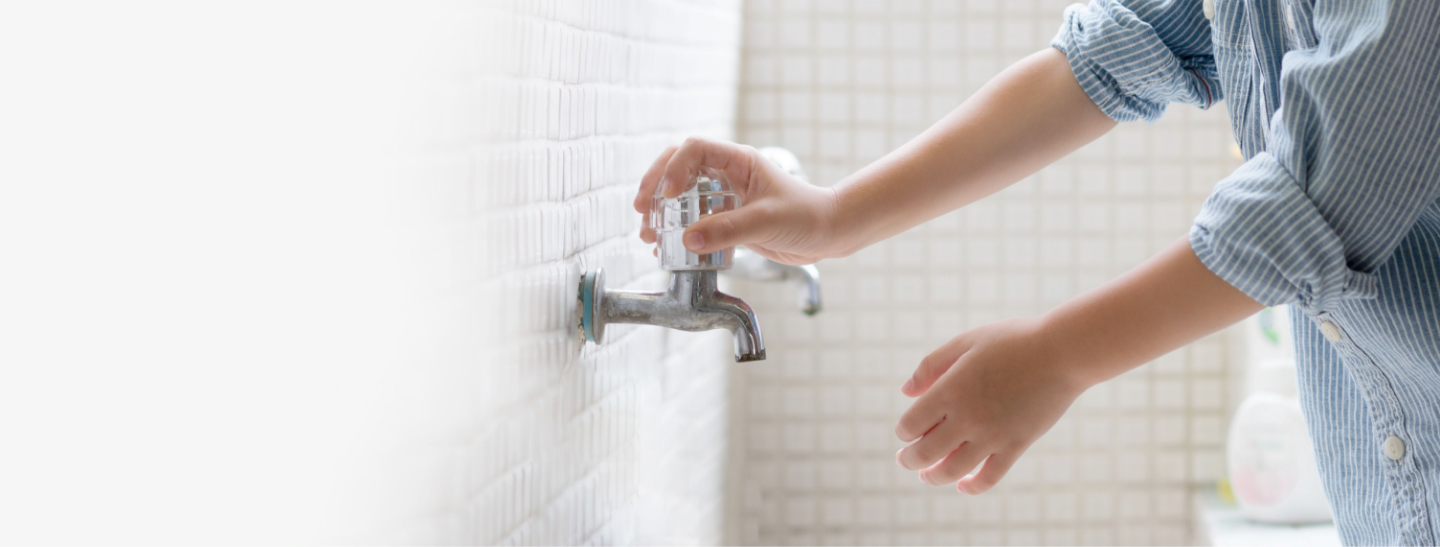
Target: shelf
pixel 1220 523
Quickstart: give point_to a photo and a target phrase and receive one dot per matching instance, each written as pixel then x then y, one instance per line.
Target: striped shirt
pixel 1336 108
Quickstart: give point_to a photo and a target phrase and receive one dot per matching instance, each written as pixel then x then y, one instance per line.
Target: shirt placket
pixel 1388 418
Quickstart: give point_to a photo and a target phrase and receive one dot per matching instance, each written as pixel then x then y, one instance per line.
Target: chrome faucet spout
pixel 693 302
pixel 809 277
pixel 750 265
pixel 735 315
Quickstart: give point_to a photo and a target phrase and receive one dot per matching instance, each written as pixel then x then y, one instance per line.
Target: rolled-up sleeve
pixel 1133 57
pixel 1352 161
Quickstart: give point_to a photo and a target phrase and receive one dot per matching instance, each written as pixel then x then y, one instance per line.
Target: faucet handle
pixel 709 192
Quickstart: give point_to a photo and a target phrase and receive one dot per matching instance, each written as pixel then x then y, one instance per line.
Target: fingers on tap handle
pixel 748 224
pixel 676 168
pixel 735 160
pixel 651 180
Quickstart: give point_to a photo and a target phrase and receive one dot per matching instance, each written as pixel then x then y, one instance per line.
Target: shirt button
pixel 1394 448
pixel 1331 332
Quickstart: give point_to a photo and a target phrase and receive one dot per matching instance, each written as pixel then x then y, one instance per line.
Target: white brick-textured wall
pixel 840 83
pixel 305 272
pixel 577 443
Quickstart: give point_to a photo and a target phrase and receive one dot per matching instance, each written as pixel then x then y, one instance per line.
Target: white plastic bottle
pixel 1269 452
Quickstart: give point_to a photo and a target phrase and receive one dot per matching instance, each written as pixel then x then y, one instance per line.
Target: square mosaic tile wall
pixel 625 442
pixel 840 83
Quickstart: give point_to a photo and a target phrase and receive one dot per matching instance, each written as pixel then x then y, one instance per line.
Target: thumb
pixel 935 365
pixel 728 229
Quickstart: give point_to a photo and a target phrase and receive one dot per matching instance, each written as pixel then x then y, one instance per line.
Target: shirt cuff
pixel 1102 87
pixel 1262 234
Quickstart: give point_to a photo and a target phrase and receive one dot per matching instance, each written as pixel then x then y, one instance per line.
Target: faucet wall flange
pixel 592 290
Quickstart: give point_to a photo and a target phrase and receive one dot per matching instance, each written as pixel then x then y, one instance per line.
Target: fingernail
pixel 961 488
pixel 694 241
pixel 909 384
pixel 664 184
pixel 924 480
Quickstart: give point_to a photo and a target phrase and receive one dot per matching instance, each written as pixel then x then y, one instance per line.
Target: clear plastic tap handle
pixel 707 193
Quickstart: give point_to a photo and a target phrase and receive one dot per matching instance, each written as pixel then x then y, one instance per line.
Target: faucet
pixel 693 302
pixel 750 265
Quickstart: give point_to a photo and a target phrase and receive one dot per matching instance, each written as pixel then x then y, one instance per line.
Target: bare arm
pixel 1030 115
pixel 1161 305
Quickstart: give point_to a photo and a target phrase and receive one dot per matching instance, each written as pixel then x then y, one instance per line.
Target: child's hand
pixel 781 217
pixel 988 393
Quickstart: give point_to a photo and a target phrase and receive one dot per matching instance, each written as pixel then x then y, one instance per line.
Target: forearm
pixel 1165 303
pixel 1030 115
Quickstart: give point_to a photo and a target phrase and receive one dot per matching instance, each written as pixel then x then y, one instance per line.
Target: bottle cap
pixel 1274 376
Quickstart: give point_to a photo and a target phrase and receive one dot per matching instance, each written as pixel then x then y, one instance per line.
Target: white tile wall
pixel 840 83
pixel 621 443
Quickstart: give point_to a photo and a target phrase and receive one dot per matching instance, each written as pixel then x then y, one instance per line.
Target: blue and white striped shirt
pixel 1336 107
